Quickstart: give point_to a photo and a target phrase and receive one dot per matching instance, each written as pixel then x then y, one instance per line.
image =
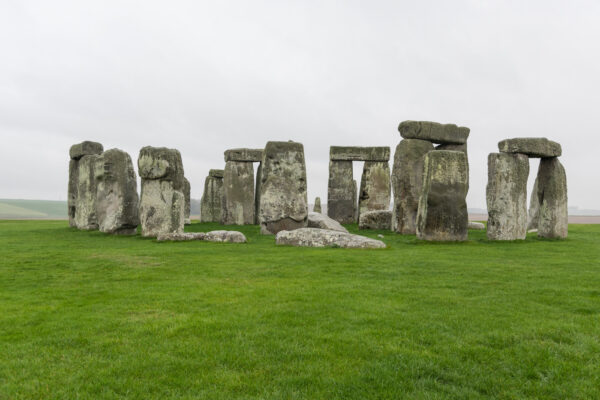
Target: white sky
pixel 205 76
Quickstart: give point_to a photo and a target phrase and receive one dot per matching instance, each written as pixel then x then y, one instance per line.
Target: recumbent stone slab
pixel 434 132
pixel 532 147
pixel 313 237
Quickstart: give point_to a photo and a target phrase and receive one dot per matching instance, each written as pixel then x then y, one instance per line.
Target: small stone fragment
pixel 313 237
pixel 379 220
pixel 477 226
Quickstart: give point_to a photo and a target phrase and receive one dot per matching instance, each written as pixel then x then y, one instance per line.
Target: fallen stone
pixel 317 206
pixel 477 226
pixel 84 149
pixel 380 236
pixel 314 237
pixel 85 217
pixel 375 187
pixel 380 220
pixel 238 193
pixel 188 206
pixel 442 213
pixel 553 220
pixel 244 155
pixel 211 203
pixel 320 221
pixel 532 147
pixel 213 236
pixel 117 200
pixel 407 180
pixel 283 196
pixel 341 192
pixel 355 153
pixel 506 195
pixel 434 132
pixel 180 236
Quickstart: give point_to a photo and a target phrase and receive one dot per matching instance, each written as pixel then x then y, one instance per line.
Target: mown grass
pixel 86 315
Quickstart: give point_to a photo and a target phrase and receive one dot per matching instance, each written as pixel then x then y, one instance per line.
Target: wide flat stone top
pixel 85 148
pixel 216 173
pixel 532 147
pixel 245 155
pixel 434 132
pixel 355 153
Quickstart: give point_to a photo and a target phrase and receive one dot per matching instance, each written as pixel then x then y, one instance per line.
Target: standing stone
pixel 76 152
pixel 117 199
pixel 354 201
pixel 283 197
pixel 507 196
pixel 407 178
pixel 375 187
pixel 212 198
pixel 238 193
pixel 85 216
pixel 317 206
pixel 162 203
pixel 534 208
pixel 341 192
pixel 456 147
pixel 442 214
pixel 257 195
pixel 553 221
pixel 434 132
pixel 187 188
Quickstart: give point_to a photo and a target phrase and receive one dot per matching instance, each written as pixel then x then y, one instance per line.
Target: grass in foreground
pixel 85 315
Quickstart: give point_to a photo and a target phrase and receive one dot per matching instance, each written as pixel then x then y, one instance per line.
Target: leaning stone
pixel 553 221
pixel 238 193
pixel 85 216
pixel 117 199
pixel 407 179
pixel 84 149
pixel 244 155
pixel 355 153
pixel 212 199
pixel 477 226
pixel 375 187
pixel 320 221
pixel 534 208
pixel 380 220
pixel 434 132
pixel 188 206
pixel 442 214
pixel 161 163
pixel 283 197
pixel 313 237
pixel 162 208
pixel 225 237
pixel 317 206
pixel 341 192
pixel 532 147
pixel 507 196
pixel 180 236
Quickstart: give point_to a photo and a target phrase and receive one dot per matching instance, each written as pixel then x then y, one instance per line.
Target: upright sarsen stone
pixel 283 197
pixel 553 220
pixel 375 187
pixel 407 179
pixel 317 206
pixel 76 152
pixel 85 217
pixel 341 192
pixel 187 195
pixel 507 196
pixel 212 198
pixel 534 208
pixel 238 193
pixel 116 193
pixel 442 214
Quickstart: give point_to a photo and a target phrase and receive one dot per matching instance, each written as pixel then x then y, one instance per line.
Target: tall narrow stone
pixel 375 187
pixel 283 197
pixel 238 193
pixel 85 216
pixel 117 199
pixel 257 194
pixel 317 206
pixel 407 179
pixel 76 152
pixel 534 208
pixel 507 196
pixel 553 221
pixel 212 198
pixel 354 201
pixel 187 188
pixel 442 214
pixel 341 192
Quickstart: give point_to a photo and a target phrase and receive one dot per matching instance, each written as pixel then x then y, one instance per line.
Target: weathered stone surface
pixel 507 196
pixel 162 208
pixel 216 173
pixel 442 213
pixel 117 199
pixel 532 147
pixel 257 195
pixel 180 236
pixel 85 216
pixel 477 226
pixel 317 206
pixel 407 179
pixel 434 132
pixel 314 237
pixel 244 155
pixel 188 206
pixel 375 187
pixel 341 192
pixel 320 221
pixel 283 197
pixel 72 191
pixel 381 220
pixel 238 193
pixel 84 149
pixel 213 236
pixel 162 163
pixel 355 153
pixel 553 220
pixel 534 209
pixel 211 204
pixel 355 201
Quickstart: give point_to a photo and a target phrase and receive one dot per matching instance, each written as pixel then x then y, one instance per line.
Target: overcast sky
pixel 205 76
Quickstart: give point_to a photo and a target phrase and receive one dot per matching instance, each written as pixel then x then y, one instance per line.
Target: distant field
pixel 32 209
pixel 86 315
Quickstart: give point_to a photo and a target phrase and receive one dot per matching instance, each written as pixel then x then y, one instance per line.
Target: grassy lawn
pixel 85 315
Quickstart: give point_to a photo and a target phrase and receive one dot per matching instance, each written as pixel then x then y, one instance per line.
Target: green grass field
pixel 29 209
pixel 85 315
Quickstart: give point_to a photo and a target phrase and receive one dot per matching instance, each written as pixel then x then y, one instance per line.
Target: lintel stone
pixel 356 153
pixel 244 155
pixel 532 147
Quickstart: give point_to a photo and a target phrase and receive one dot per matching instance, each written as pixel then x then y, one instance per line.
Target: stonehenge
pixel 81 203
pixel 212 197
pixel 375 186
pixel 507 191
pixel 239 195
pixel 283 188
